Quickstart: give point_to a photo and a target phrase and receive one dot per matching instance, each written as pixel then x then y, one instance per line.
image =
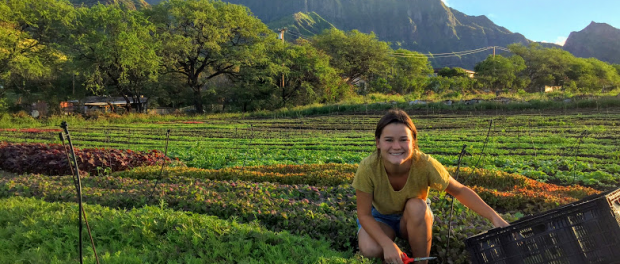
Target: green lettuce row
pixel 318 212
pixel 34 231
pixel 305 210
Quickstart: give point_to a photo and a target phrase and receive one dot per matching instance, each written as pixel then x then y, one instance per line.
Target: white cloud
pixel 491 15
pixel 560 41
pixel 445 2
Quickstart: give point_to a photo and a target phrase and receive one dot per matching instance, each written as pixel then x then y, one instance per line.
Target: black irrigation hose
pixel 583 134
pixel 248 147
pixel 458 169
pixel 481 153
pixel 161 172
pixel 92 241
pixel 452 204
pixel 62 139
pixel 78 185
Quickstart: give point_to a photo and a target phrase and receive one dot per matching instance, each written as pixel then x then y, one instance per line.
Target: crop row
pixel 567 149
pixel 322 212
pixel 34 231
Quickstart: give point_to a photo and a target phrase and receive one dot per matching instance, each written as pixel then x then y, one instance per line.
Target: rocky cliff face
pixel 420 25
pixel 597 40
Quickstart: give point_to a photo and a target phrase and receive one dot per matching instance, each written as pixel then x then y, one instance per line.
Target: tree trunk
pixel 198 101
pixel 138 103
pixel 128 105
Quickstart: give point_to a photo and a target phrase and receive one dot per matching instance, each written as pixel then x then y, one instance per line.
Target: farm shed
pixel 110 104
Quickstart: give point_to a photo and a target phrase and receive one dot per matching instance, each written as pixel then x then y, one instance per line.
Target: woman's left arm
pixel 471 199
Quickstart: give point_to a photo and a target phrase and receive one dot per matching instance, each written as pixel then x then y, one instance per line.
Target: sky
pixel 542 20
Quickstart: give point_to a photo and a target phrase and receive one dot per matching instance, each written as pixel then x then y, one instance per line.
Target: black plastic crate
pixel 583 232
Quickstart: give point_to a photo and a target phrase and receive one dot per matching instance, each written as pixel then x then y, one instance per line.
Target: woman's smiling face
pixel 395 144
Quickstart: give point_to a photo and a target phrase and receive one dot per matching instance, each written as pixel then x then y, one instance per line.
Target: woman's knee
pixel 417 210
pixel 369 248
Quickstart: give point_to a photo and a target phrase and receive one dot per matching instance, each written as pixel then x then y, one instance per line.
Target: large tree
pixel 408 72
pixel 308 77
pixel 596 76
pixel 292 74
pixel 356 55
pixel 556 67
pixel 29 31
pixel 617 67
pixel 499 72
pixel 544 66
pixel 203 39
pixel 116 50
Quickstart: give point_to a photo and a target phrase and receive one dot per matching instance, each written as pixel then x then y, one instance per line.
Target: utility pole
pixel 493 51
pixel 282 30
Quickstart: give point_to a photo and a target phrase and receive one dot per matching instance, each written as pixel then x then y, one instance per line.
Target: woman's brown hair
pixel 400 117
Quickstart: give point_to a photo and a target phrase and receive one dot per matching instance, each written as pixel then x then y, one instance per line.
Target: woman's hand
pixel 499 222
pixel 392 254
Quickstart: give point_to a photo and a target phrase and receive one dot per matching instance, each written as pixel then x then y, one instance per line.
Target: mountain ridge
pixel 427 26
pixel 598 40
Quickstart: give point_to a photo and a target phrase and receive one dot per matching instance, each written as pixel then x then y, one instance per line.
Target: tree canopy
pixel 115 49
pixel 203 39
pixel 355 54
pixel 206 52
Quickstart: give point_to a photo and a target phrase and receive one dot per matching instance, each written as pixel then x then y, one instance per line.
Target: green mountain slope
pixel 132 4
pixel 301 25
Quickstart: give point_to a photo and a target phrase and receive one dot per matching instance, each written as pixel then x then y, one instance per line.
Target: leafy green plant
pixel 40 232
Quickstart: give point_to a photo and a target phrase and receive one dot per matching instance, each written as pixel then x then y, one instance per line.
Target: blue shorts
pixel 392 220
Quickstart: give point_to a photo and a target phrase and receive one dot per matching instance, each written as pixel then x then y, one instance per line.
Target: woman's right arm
pixel 371 226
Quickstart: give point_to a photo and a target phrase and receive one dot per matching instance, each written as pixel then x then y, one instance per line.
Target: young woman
pixel 392 188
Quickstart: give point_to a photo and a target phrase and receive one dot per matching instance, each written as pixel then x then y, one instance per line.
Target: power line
pixel 433 56
pixel 429 55
pixel 448 54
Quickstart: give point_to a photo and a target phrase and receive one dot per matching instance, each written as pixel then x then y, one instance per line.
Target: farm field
pixel 570 148
pixel 285 181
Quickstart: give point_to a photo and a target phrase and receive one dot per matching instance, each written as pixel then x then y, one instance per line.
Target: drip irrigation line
pixel 62 139
pixel 78 185
pixel 452 203
pixel 107 139
pixel 129 139
pixel 248 147
pixel 583 134
pixel 481 153
pixel 529 125
pixel 92 241
pixel 161 172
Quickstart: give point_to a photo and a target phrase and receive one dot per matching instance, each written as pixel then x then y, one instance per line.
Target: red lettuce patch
pixel 51 159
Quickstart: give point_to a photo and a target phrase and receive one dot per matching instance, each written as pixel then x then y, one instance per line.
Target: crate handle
pixel 540 228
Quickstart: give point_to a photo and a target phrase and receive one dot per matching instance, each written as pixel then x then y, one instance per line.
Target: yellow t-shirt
pixel 372 178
